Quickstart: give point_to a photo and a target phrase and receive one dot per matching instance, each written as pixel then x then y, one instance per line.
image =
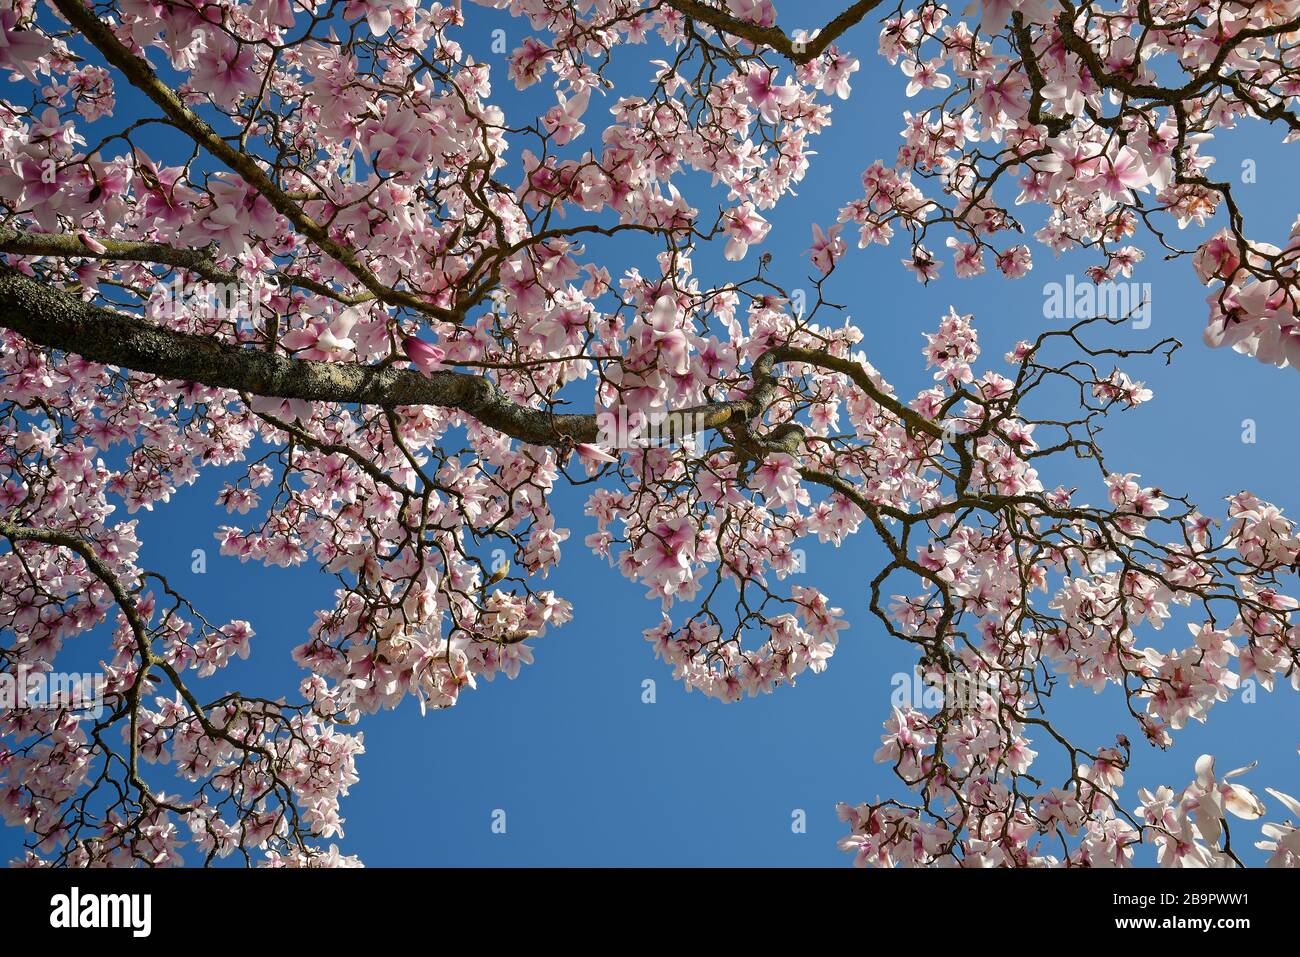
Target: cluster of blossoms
pixel 1103 117
pixel 400 310
pixel 1146 559
pixel 1086 827
pixel 424 244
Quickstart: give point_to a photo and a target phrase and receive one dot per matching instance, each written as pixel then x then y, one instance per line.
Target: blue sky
pixel 586 772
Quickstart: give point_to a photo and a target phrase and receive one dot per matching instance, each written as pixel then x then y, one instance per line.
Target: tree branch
pixel 774 37
pixel 142 76
pixel 196 260
pixel 52 318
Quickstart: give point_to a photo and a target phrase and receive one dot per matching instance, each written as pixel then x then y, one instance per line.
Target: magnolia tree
pixel 299 242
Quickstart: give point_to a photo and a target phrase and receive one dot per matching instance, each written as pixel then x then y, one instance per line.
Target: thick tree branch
pixel 774 37
pixel 196 260
pixel 52 318
pixel 62 245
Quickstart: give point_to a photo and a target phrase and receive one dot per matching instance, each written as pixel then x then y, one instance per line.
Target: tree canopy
pixel 303 240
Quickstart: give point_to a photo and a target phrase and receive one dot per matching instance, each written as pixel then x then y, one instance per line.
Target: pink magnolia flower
pixel 21 49
pixel 827 247
pixel 225 70
pixel 1208 798
pixel 291 410
pixel 1283 840
pixel 924 75
pixel 760 12
pixel 91 243
pixel 765 95
pixel 564 120
pixel 324 341
pixel 427 358
pixel 839 70
pixel 400 138
pixel 777 479
pixel 378 13
pixel 668 335
pixel 562 328
pixel 1121 173
pixel 666 555
pixel 238 211
pixel 1218 258
pixel 528 62
pixel 1015 261
pixel 968 258
pixel 593 454
pixel 994 13
pixel 743 227
pixel 924 265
